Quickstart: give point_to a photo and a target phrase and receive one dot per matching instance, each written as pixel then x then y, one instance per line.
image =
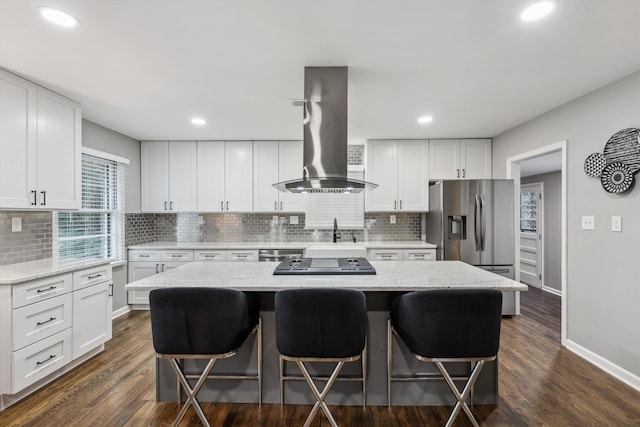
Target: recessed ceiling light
pixel 59 17
pixel 425 119
pixel 537 11
pixel 198 121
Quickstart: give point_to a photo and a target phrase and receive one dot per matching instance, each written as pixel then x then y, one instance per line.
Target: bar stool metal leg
pixel 389 360
pixel 461 397
pixel 320 397
pixel 191 392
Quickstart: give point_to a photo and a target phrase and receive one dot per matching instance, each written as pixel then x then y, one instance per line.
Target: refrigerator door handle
pixel 476 221
pixel 484 223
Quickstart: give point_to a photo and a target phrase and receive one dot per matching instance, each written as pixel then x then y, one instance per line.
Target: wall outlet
pixel 588 223
pixel 16 224
pixel 616 223
pixel 293 220
pixel 392 219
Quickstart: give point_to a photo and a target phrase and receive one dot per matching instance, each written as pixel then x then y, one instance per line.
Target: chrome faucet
pixel 336 234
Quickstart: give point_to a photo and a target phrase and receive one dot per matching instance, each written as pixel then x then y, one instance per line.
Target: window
pixel 97 229
pixel 528 211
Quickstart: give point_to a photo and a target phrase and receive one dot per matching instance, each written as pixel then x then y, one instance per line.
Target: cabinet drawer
pixel 177 256
pixel 40 320
pixel 38 360
pixel 385 254
pixel 91 276
pixel 419 255
pixel 145 255
pixel 210 255
pixel 39 290
pixel 242 255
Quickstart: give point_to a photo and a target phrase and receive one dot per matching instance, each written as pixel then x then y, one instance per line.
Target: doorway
pixel 531 234
pixel 514 166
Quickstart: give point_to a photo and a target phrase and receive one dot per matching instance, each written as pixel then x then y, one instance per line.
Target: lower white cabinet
pixel 49 322
pixel 91 318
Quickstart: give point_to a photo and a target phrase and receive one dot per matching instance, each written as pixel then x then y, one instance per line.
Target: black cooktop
pixel 324 266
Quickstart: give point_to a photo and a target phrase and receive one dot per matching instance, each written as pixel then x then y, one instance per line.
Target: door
pixel 183 176
pixel 210 176
pixel 17 141
pixel 444 159
pixel 265 173
pixel 154 176
pixel 290 167
pixel 382 169
pixel 91 318
pixel 475 158
pixel 239 176
pixel 413 176
pixel 531 234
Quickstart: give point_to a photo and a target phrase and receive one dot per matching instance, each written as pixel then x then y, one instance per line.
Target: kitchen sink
pixel 335 250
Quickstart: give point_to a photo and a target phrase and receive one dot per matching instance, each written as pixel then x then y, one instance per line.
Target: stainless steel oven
pixel 278 254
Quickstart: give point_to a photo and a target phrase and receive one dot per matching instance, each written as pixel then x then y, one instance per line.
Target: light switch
pixel 392 219
pixel 293 219
pixel 16 224
pixel 616 223
pixel 588 223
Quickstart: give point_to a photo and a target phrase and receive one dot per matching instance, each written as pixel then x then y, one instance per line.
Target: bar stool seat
pixel 452 325
pixel 203 323
pixel 321 325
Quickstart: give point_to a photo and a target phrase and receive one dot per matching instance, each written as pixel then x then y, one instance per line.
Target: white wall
pixel 110 141
pixel 603 268
pixel 552 205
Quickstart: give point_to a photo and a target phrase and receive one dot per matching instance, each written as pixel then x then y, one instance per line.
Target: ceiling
pixel 545 163
pixel 146 67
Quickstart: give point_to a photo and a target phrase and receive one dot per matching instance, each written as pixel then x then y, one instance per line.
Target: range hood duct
pixel 325 136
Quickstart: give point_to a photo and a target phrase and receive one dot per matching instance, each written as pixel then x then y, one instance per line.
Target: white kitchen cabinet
pixel 168 176
pixel 50 322
pixel 459 159
pixel 400 168
pixel 276 161
pixel 225 176
pixel 394 254
pixel 385 255
pixel 40 138
pixel 145 263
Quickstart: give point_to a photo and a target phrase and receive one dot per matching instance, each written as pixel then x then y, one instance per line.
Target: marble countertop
pixel 391 276
pixel 22 272
pixel 277 245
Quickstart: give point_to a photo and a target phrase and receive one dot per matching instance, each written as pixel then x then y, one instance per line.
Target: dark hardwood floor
pixel 541 384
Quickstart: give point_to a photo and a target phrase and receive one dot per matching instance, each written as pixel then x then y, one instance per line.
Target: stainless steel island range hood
pixel 325 136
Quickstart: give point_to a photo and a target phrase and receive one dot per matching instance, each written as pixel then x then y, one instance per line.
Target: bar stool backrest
pixel 201 320
pixel 449 323
pixel 322 323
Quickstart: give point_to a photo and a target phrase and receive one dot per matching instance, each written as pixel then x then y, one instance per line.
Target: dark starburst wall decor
pixel 618 163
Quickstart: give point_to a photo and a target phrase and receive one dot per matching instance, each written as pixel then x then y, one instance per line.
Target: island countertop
pixel 277 245
pixel 391 276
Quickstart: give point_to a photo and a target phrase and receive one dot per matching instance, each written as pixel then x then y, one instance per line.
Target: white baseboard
pixel 552 290
pixel 606 365
pixel 119 312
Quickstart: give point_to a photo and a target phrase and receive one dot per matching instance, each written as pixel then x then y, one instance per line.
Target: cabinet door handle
pixel 170 206
pixel 46 360
pixel 281 206
pixel 457 173
pixel 50 288
pixel 394 205
pixel 400 204
pixel 275 205
pixel 163 267
pixel 44 198
pixel 165 206
pixel 157 265
pixel 110 289
pixel 94 277
pixel 45 322
pixel 227 205
pixel 221 205
pixel 464 174
pixel 35 197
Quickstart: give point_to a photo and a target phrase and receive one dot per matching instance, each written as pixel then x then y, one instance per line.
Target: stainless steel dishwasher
pixel 278 254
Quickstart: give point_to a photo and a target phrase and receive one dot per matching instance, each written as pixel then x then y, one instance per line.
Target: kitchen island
pixel 392 278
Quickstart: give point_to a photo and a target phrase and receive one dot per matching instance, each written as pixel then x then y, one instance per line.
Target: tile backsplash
pixel 32 243
pixel 256 227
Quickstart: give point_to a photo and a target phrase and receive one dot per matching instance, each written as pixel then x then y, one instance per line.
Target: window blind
pixel 97 229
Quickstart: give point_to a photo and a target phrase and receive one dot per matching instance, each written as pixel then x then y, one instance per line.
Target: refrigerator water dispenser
pixel 457 227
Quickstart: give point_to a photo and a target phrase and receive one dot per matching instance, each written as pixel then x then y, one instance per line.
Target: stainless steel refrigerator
pixel 473 221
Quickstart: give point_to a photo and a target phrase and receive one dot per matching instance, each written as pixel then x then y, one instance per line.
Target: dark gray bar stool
pixel 203 323
pixel 442 326
pixel 321 325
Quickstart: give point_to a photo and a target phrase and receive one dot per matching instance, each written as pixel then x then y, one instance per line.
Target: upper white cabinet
pixel 168 176
pixel 400 168
pixel 40 141
pixel 459 159
pixel 276 161
pixel 225 176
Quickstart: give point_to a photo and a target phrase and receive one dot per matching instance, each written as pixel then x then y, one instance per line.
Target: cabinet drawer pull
pixel 45 322
pixel 94 277
pixel 143 256
pixel 46 360
pixel 209 255
pixel 241 255
pixel 50 288
pixel 386 255
pixel 176 256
